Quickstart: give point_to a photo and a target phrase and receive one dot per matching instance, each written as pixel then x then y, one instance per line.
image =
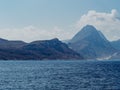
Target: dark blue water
pixel 59 75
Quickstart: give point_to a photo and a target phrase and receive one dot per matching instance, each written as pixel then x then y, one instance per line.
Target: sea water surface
pixel 60 75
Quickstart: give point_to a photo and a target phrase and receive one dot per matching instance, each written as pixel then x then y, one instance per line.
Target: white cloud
pixel 108 23
pixel 32 33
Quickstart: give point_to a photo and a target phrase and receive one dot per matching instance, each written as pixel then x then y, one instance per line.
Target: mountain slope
pixel 11 44
pixel 37 50
pixel 91 43
pixel 116 44
pixel 52 49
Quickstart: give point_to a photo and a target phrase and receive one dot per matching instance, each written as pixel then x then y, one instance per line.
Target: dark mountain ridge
pixel 37 50
pixel 11 44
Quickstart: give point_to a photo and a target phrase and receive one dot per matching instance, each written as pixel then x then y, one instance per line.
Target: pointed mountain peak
pixel 88 32
pixel 89 28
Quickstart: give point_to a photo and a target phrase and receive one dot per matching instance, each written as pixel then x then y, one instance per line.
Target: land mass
pixel 36 50
pixel 88 43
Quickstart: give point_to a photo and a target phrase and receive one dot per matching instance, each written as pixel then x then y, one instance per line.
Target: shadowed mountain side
pixel 37 50
pixel 11 44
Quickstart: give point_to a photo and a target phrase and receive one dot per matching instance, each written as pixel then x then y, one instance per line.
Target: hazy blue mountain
pixel 116 44
pixel 11 44
pixel 91 43
pixel 37 50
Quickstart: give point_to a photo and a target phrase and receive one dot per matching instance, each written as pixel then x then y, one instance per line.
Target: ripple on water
pixel 59 75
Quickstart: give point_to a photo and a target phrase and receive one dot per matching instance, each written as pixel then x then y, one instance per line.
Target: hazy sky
pixel 30 20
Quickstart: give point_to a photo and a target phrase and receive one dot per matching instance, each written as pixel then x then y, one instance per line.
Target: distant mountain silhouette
pixel 91 43
pixel 37 50
pixel 11 44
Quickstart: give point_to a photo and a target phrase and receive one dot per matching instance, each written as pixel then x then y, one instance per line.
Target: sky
pixel 31 20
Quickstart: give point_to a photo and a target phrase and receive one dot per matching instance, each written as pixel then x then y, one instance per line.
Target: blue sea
pixel 60 75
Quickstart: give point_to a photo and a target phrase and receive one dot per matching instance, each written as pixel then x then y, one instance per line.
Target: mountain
pixel 116 44
pixel 11 44
pixel 91 43
pixel 37 50
pixel 66 41
pixel 115 55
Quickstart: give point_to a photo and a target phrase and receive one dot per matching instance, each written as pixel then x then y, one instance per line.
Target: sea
pixel 60 75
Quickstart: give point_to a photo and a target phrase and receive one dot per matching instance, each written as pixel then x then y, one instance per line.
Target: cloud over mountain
pixel 32 33
pixel 108 23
